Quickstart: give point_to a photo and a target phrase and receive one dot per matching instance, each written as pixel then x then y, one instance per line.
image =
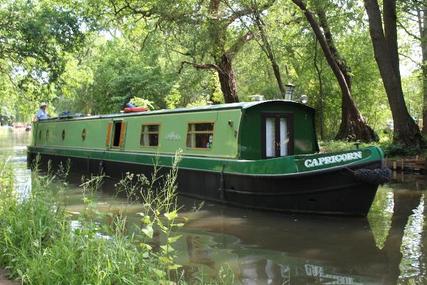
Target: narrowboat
pixel 260 155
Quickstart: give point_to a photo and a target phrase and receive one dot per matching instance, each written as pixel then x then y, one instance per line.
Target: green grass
pixel 335 146
pixel 390 150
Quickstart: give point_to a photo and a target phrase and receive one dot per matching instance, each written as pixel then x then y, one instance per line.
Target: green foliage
pixel 336 146
pixel 84 58
pixel 141 102
pixel 393 150
pixel 174 97
pixel 39 245
pixel 35 38
pixel 390 149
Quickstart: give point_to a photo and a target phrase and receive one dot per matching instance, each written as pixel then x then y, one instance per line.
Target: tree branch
pixel 234 49
pixel 411 59
pixel 407 31
pixel 127 6
pixel 199 66
pixel 246 11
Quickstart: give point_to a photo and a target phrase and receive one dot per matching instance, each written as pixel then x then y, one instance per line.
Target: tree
pixel 384 40
pixel 216 39
pixel 35 37
pixel 353 125
pixel 416 16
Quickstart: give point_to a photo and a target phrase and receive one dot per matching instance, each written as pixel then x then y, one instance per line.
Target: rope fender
pixel 376 176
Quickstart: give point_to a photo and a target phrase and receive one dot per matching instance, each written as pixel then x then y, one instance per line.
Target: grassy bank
pixel 39 243
pixel 390 150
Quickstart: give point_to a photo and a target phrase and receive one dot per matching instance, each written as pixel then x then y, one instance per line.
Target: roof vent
pixel 257 97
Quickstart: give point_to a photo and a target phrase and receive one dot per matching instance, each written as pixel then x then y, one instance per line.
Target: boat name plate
pixel 332 159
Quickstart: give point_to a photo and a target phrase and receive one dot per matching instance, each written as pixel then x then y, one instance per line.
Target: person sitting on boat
pixel 42 112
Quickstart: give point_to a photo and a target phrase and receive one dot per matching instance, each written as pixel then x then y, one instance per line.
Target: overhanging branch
pixel 199 66
pixel 407 31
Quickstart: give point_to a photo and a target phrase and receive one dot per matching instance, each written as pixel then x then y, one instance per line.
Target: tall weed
pixel 41 243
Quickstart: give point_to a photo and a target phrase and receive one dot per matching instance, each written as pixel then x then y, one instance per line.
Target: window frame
pixel 142 134
pixel 291 131
pixel 200 132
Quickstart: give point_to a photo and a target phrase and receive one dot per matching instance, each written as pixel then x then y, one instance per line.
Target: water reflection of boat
pixel 274 249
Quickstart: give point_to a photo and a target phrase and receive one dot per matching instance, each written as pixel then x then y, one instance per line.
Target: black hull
pixel 331 192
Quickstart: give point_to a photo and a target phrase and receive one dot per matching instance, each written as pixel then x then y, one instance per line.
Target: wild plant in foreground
pixel 159 215
pixel 40 243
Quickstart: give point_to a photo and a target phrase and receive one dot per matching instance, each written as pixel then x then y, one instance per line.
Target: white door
pixel 277 136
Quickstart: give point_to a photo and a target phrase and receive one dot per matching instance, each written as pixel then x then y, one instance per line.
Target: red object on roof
pixel 135 109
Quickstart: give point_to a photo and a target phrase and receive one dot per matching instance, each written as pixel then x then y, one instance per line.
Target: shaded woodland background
pixel 361 63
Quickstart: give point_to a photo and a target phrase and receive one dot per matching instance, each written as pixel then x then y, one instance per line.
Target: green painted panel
pixel 172 132
pixel 53 132
pixel 304 136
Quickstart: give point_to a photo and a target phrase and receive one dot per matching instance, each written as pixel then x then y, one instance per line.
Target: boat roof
pixel 240 105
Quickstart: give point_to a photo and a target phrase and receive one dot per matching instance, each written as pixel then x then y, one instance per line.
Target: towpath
pixel 4 280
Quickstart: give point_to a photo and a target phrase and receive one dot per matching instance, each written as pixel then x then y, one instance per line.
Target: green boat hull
pixel 320 183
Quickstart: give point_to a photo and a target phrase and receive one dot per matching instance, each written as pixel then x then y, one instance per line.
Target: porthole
pixel 63 134
pixel 83 134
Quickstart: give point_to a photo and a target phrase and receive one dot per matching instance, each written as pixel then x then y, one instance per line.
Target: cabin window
pixel 63 135
pixel 149 135
pixel 83 134
pixel 200 135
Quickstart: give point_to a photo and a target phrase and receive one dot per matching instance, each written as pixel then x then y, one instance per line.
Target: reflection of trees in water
pixel 411 248
pixel 319 250
pixel 402 241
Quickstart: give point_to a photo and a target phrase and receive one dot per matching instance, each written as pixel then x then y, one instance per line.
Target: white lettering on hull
pixel 325 160
pixel 173 137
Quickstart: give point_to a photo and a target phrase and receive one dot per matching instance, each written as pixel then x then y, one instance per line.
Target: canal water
pixel 387 247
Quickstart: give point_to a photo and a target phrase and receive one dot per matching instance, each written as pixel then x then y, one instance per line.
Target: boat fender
pixel 221 183
pixel 101 167
pixel 376 176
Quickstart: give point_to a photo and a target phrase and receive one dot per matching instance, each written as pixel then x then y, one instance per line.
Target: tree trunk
pixel 320 102
pixel 266 47
pixel 353 127
pixel 227 79
pixel 422 20
pixel 406 132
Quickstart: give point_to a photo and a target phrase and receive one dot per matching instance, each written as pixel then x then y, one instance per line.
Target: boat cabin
pixel 248 131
